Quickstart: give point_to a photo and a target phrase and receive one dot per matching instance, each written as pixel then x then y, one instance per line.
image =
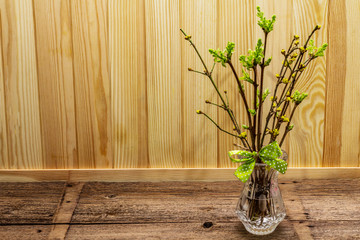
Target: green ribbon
pixel 269 154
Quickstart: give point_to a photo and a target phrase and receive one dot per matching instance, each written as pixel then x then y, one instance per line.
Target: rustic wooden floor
pixel 316 209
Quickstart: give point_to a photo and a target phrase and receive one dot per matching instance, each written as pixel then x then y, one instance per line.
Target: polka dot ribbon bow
pixel 269 154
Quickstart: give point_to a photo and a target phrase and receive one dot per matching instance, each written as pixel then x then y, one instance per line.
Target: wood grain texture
pixel 128 83
pixel 164 83
pixel 307 137
pixel 26 203
pixel 92 83
pixel 104 83
pixel 21 86
pixel 236 24
pixel 4 157
pixel 323 209
pixel 56 83
pixel 335 83
pixel 199 136
pixel 163 174
pixel 350 127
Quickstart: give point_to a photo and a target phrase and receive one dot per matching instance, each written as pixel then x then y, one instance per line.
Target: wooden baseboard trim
pixel 156 175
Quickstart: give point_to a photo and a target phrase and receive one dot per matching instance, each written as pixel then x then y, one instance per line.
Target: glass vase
pixel 261 207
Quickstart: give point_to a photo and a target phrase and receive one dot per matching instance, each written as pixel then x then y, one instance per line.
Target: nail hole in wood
pixel 39 230
pixel 69 185
pixel 111 196
pixel 207 224
pixel 68 201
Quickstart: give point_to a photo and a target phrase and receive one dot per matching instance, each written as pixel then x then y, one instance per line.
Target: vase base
pixel 260 226
pixel 259 231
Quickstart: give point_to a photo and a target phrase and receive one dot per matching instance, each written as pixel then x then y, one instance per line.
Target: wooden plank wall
pixel 104 83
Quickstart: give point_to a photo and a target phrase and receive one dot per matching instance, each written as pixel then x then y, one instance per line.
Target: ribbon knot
pixel 269 154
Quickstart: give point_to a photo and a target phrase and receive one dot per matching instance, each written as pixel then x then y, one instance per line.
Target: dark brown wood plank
pixel 232 230
pixel 25 232
pixel 322 199
pixel 29 203
pixel 157 202
pixel 212 201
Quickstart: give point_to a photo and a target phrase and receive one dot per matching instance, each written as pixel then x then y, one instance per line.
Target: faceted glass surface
pixel 261 207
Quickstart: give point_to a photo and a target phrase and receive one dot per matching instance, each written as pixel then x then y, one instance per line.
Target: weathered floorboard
pixel 316 209
pixel 29 203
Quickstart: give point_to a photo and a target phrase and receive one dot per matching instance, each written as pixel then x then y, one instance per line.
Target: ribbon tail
pixel 244 171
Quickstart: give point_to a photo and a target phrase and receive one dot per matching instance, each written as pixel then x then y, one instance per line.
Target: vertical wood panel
pixel 4 157
pixel 335 83
pixel 21 86
pixel 306 139
pixel 128 82
pixel 236 24
pixel 92 83
pixel 350 128
pixel 56 92
pixel 75 77
pixel 198 18
pixel 163 55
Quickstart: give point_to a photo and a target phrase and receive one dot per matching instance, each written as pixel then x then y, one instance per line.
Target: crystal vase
pixel 260 207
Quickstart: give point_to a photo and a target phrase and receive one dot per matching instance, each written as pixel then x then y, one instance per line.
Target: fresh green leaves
pixel 298 97
pixel 223 56
pixel 245 126
pixel 246 77
pixel 316 51
pixel 320 51
pixel 254 56
pixel 219 56
pixel 252 112
pixel 265 94
pixel 229 49
pixel 266 25
pixel 267 62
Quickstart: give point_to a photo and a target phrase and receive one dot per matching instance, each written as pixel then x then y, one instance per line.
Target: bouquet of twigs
pixel 297 57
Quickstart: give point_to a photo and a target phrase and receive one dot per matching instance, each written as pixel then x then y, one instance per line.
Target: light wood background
pixel 104 83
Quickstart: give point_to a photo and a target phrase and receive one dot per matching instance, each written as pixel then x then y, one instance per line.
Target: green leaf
pixel 245 127
pixel 321 50
pixel 266 25
pixel 265 94
pixel 254 56
pixel 315 51
pixel 298 97
pixel 223 56
pixel 246 77
pixel 252 112
pixel 219 56
pixel 229 49
pixel 267 62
